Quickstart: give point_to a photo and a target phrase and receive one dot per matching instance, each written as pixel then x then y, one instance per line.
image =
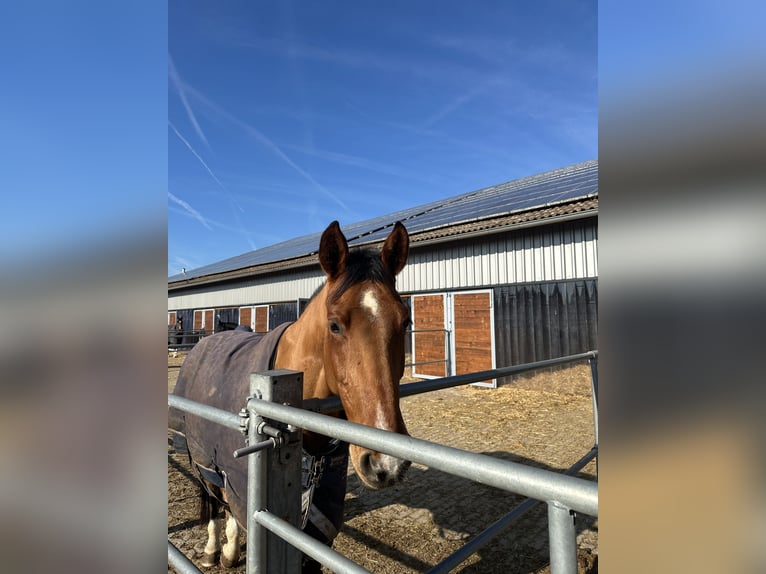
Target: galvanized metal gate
pixel 273 445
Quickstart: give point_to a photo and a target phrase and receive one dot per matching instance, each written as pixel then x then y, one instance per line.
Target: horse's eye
pixel 335 328
pixel 406 324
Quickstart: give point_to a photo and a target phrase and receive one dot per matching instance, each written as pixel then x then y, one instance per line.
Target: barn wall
pixel 551 253
pixel 288 286
pixel 282 313
pixel 227 315
pixel 543 279
pixel 539 321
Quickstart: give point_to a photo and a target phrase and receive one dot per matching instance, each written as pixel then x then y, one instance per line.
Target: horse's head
pixel 364 341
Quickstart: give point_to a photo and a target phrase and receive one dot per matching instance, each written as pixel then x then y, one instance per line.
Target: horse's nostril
pixel 366 460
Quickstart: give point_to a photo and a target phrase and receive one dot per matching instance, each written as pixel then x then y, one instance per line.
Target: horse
pixel 174 333
pixel 349 342
pixel 225 325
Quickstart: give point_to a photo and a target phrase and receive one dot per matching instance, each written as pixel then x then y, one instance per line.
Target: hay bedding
pixel 544 419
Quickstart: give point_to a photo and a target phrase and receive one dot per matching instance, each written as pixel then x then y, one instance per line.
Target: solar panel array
pixel 550 188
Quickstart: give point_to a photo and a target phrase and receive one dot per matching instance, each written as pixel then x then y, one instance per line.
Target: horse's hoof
pixel 209 560
pixel 228 563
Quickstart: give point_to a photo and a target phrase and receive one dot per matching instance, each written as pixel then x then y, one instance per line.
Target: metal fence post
pixel 594 387
pixel 255 552
pixel 274 476
pixel 593 361
pixel 562 543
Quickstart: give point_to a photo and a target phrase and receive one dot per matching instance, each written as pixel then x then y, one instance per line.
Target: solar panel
pixel 561 185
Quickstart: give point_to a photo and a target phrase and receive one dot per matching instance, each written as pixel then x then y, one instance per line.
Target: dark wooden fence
pixel 539 321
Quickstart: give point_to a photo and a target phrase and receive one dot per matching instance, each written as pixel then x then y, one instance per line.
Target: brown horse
pixel 349 342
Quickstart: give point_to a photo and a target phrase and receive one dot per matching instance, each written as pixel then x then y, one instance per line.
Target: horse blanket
pixel 217 373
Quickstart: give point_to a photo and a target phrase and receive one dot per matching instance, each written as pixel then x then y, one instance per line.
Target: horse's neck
pixel 301 348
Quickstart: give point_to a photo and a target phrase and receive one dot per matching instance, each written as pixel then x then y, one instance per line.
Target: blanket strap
pixel 312 469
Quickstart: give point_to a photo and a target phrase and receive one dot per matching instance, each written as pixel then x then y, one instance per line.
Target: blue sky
pixel 284 116
pixel 83 125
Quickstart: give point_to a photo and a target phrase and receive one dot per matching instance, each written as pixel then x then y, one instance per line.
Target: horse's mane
pixel 362 264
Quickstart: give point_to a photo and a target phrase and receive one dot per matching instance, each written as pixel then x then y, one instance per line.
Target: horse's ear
pixel 395 249
pixel 333 250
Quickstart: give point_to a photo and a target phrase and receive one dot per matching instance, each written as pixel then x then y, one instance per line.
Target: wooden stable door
pixel 246 316
pixel 257 318
pixel 204 320
pixel 453 334
pixel 472 333
pixel 261 323
pixel 429 337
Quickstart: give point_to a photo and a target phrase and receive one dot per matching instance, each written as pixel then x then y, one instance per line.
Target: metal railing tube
pixel 333 404
pixel 411 389
pixel 594 389
pixel 483 538
pixel 562 542
pixel 495 529
pixel 257 475
pixel 308 545
pixel 447 353
pixel 179 562
pixel 576 493
pixel 225 418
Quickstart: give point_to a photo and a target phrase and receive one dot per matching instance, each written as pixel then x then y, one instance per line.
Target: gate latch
pixel 276 440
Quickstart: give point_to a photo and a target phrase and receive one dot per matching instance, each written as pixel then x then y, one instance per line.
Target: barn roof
pixel 567 191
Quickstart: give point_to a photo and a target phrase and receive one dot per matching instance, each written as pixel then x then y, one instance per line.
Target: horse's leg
pixel 231 550
pixel 213 546
pixel 209 508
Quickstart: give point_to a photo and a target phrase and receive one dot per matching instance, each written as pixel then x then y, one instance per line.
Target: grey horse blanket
pixel 217 373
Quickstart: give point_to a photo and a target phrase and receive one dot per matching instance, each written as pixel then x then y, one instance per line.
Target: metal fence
pixel 447 360
pixel 184 340
pixel 564 494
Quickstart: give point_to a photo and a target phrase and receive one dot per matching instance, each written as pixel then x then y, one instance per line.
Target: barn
pixel 498 276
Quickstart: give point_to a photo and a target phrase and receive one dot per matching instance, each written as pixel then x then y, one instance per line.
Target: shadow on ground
pixel 456 510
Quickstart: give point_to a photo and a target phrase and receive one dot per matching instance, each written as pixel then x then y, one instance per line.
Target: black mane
pixel 361 265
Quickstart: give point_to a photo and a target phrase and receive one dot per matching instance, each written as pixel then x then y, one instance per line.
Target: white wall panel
pixel 560 252
pixel 272 289
pixel 538 254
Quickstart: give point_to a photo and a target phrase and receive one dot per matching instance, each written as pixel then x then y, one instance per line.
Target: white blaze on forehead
pixel 370 302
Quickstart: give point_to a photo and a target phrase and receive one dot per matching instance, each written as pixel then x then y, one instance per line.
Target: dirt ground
pixel 544 419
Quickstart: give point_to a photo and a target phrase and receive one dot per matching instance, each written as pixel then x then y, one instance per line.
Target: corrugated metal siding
pixel 282 313
pixel 228 315
pixel 554 253
pixel 534 322
pixel 286 287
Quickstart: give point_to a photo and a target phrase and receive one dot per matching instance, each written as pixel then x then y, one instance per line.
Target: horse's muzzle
pixel 377 470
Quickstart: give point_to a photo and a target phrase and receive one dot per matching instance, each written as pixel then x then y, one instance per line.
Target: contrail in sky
pixel 202 161
pixel 191 149
pixel 263 139
pixel 284 157
pixel 190 210
pixel 460 101
pixel 179 85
